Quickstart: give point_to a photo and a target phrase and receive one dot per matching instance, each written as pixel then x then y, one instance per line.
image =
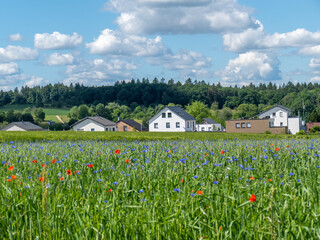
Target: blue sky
pixel 100 42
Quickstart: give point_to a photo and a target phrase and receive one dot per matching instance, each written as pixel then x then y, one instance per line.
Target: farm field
pixel 161 189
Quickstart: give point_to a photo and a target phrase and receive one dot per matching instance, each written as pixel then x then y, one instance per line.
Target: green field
pixel 160 189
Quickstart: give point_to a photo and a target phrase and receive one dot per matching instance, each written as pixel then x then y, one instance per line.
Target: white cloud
pixel 251 66
pixel 35 81
pixel 8 68
pixel 56 59
pixel 12 53
pixel 253 39
pixel 177 16
pixel 311 51
pixel 117 43
pixel 56 40
pixel 16 37
pixel 315 79
pixel 99 72
pixel 315 63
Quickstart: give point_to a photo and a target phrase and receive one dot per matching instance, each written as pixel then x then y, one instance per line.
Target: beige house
pixel 129 125
pixel 253 126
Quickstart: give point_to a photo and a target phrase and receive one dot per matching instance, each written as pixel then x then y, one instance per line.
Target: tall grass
pixel 170 189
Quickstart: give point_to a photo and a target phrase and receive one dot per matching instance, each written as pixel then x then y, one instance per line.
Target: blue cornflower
pixel 105 201
pixel 176 189
pixel 99 180
pixel 195 176
pixel 291 174
pixel 215 182
pixel 192 194
pixel 298 180
pixel 143 200
pixel 281 175
pixel 115 183
pixel 140 191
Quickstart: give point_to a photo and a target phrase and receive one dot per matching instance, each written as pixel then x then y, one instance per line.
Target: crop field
pixel 160 189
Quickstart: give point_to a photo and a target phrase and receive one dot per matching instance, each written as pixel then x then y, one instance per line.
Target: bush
pixel 267 132
pixel 315 129
pixel 301 132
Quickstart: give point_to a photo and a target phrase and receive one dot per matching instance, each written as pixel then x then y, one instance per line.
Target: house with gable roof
pixel 94 124
pixel 172 119
pixel 209 125
pixel 22 126
pixel 129 125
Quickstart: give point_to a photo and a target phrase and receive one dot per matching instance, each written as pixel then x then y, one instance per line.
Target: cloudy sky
pixel 99 42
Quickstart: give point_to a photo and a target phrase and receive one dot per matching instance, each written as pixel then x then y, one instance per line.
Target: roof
pixel 28 126
pixel 134 124
pixel 183 114
pixel 101 120
pixel 209 120
pixel 279 106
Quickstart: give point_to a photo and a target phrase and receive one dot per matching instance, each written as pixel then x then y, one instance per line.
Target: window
pixel 163 115
pixel 124 128
pixel 188 125
pixel 202 129
pixel 243 125
pixel 81 129
pixel 281 124
pixel 273 114
pixel 237 125
pixel 209 128
pixel 248 125
pixel 155 125
pixel 169 115
pixel 167 125
pixel 113 129
pixel 92 129
pixel 281 114
pixel 177 124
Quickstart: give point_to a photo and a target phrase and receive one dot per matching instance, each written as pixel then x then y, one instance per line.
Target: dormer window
pixel 169 115
pixel 163 115
pixel 273 114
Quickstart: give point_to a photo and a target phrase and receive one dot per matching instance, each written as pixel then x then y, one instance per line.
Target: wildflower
pixel 182 180
pixel 252 198
pixel 90 165
pixel 14 177
pixel 34 161
pixel 43 165
pixel 54 160
pixel 11 168
pixel 222 152
pixel 298 180
pixel 48 185
pixel 69 172
pixel 195 176
pixel 40 179
pixel 176 190
pixel 251 178
pixel 143 200
pixel 115 183
pixel 117 151
pixel 269 180
pixel 141 191
pixel 215 182
pixel 199 192
pixel 105 201
pixel 60 179
pixel 128 161
pixel 8 180
pixel 192 194
pixel 109 191
pixel 291 174
pixel 288 146
pixel 77 172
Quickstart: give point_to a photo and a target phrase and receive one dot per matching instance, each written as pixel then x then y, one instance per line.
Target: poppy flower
pixel 61 178
pixel 54 160
pixel 269 180
pixel 40 179
pixel 128 161
pixel 117 151
pixel 90 165
pixel 8 180
pixel 34 161
pixel 252 198
pixel 11 168
pixel 14 176
pixel 288 146
pixel 251 178
pixel 43 165
pixel 199 192
pixel 182 180
pixel 109 191
pixel 69 172
pixel 222 152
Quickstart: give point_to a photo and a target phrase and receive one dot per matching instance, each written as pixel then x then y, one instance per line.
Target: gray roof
pixel 28 126
pixel 101 120
pixel 183 114
pixel 209 120
pixel 280 106
pixel 134 124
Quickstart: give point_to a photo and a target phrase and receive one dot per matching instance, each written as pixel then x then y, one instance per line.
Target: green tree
pixel 74 113
pixel 83 111
pixel 246 110
pixel 314 116
pixel 39 114
pixel 198 110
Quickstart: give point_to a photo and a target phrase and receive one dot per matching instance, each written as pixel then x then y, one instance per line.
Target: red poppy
pixel 222 152
pixel 199 192
pixel 34 161
pixel 77 172
pixel 40 179
pixel 8 180
pixel 251 178
pixel 109 191
pixel 90 165
pixel 288 146
pixel 69 172
pixel 14 176
pixel 117 151
pixel 182 180
pixel 11 168
pixel 278 149
pixel 271 144
pixel 61 178
pixel 43 165
pixel 252 198
pixel 128 161
pixel 269 180
pixel 54 160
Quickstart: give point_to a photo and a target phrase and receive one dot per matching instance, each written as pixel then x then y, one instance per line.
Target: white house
pixel 92 124
pixel 279 117
pixel 22 126
pixel 172 119
pixel 209 125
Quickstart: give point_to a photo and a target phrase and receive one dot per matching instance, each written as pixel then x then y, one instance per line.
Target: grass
pixel 163 189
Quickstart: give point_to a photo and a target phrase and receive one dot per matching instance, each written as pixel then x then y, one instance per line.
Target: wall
pixel 87 125
pixel 162 123
pixel 294 125
pixel 257 126
pixel 311 125
pixel 277 119
pixel 120 126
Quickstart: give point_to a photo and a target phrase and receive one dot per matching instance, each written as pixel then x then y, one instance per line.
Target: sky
pixel 100 42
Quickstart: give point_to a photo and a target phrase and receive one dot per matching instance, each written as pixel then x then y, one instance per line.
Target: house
pixel 92 124
pixel 172 119
pixel 311 125
pixel 209 125
pixel 274 120
pixel 22 126
pixel 129 125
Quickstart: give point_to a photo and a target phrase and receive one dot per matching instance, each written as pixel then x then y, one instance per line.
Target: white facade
pixel 278 116
pixel 15 128
pixel 168 121
pixel 90 125
pixel 206 127
pixel 294 125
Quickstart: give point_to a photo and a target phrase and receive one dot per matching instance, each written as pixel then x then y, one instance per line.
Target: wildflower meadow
pixel 164 189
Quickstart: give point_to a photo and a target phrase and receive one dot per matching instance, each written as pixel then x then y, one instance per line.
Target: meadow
pixel 160 189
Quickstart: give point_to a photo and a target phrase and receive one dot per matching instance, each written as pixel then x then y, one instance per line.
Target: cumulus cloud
pixel 56 59
pixel 16 37
pixel 35 81
pixel 315 79
pixel 257 38
pixel 56 40
pixel 12 53
pixel 8 68
pixel 311 51
pixel 180 16
pixel 99 72
pixel 117 43
pixel 251 66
